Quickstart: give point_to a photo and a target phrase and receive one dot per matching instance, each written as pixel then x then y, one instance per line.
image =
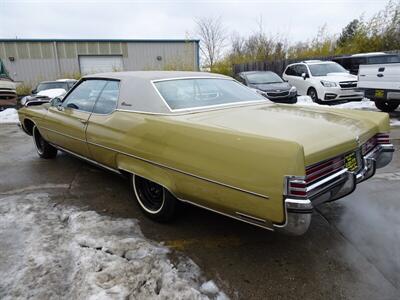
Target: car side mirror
pixel 56 102
pixel 304 75
pixel 34 91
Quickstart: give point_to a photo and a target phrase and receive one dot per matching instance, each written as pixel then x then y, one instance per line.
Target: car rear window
pixel 201 92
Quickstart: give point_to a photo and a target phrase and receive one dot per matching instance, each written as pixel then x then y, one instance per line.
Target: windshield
pixel 51 85
pixel 324 69
pixel 263 77
pixel 199 92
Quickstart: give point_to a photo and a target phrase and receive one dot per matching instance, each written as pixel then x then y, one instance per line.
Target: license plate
pixel 379 93
pixel 350 162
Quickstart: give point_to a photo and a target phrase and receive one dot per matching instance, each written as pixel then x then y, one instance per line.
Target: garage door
pixel 99 64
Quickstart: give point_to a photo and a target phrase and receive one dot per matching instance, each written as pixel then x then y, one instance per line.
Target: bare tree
pixel 212 36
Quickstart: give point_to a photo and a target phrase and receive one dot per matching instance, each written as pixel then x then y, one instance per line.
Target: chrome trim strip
pixel 312 187
pixel 325 180
pixel 250 217
pixel 191 109
pixel 180 171
pixel 208 208
pixel 271 228
pixel 167 167
pixel 86 159
pixel 194 111
pixel 63 134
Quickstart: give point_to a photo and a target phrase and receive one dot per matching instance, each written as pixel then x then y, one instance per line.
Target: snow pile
pixel 305 100
pixel 9 116
pixel 51 252
pixel 394 122
pixel 365 104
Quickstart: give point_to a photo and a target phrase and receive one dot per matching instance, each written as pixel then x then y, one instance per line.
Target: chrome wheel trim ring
pixel 150 211
pixel 39 144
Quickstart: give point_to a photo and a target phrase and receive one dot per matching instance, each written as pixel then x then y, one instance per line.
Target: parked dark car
pixel 352 63
pixel 47 90
pixel 270 85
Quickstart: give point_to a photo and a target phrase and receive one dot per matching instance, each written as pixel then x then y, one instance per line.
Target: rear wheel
pixel 386 106
pixel 154 200
pixel 313 95
pixel 43 148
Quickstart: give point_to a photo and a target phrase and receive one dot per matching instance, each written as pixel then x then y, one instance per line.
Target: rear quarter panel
pixel 201 164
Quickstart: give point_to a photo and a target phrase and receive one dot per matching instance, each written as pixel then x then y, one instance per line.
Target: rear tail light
pixel 382 138
pixel 297 186
pixel 369 145
pixel 378 139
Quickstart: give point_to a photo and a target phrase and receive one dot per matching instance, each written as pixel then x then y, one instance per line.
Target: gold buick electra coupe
pixel 208 140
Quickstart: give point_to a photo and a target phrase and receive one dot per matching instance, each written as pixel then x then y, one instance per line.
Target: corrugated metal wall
pixel 36 61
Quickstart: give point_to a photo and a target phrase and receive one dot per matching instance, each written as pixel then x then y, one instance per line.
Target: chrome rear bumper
pixel 338 185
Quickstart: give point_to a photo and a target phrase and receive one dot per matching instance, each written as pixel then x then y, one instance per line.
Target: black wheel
pixel 43 148
pixel 313 95
pixel 386 106
pixel 154 200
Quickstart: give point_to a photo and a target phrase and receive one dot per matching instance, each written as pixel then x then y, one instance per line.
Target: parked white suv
pixel 322 81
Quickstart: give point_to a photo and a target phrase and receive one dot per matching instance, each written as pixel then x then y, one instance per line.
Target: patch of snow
pixel 50 251
pixel 9 116
pixel 51 93
pixel 364 104
pixel 209 287
pixel 394 122
pixel 305 100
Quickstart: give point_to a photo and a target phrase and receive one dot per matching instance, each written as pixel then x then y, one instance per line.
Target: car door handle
pixel 83 121
pixel 380 75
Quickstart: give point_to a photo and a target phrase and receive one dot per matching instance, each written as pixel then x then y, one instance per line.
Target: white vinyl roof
pixel 137 92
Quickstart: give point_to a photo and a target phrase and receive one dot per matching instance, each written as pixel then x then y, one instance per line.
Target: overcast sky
pixel 297 20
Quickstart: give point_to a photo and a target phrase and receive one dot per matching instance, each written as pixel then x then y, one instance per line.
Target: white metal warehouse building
pixel 32 60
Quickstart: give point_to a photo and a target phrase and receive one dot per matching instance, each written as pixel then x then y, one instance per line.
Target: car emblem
pixel 278 90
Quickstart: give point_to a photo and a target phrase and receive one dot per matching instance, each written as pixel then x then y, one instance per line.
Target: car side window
pixel 290 71
pixel 300 69
pixel 84 96
pixel 108 99
pixel 240 79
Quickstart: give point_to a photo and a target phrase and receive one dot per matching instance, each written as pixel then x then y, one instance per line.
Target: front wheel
pixel 313 95
pixel 154 200
pixel 386 106
pixel 43 148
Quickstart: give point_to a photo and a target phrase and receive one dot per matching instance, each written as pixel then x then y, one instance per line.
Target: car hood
pixel 51 93
pixel 283 86
pixel 337 77
pixel 323 132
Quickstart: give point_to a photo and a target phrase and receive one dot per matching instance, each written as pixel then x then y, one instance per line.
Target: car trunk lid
pixel 323 132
